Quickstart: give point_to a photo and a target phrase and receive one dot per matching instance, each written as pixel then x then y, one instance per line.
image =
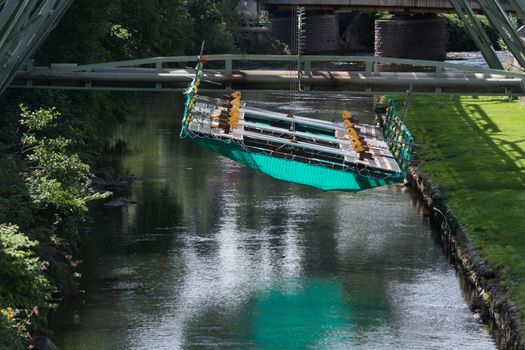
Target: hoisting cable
pixel 301 12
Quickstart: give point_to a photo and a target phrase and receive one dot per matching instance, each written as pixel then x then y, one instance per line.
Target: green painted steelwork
pixel 23 27
pixel 499 21
pixel 229 59
pixel 477 32
pixel 155 74
pixel 161 63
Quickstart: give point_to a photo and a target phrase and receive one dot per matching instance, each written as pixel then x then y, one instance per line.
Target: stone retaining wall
pixel 487 297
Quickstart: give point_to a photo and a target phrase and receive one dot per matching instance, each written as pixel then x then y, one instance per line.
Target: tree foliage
pixel 25 286
pixel 458 37
pixel 53 189
pixel 44 173
pixel 94 31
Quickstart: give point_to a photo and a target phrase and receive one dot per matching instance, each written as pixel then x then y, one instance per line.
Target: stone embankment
pixel 486 296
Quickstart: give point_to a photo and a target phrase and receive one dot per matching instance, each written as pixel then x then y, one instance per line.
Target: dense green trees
pixel 458 37
pixel 43 203
pixel 44 175
pixel 94 31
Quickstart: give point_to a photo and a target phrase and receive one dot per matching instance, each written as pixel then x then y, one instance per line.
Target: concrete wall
pixel 322 32
pixel 416 38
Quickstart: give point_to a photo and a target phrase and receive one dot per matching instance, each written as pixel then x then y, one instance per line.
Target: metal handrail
pixel 228 60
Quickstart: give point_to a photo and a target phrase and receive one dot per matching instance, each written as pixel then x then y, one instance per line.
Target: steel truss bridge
pixel 321 74
pixel 24 25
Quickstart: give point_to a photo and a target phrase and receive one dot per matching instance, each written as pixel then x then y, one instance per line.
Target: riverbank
pixel 473 151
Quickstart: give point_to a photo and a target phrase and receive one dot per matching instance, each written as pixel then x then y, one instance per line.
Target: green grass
pixel 473 149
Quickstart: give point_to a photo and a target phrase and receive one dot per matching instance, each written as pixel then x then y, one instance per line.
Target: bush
pixel 459 38
pixel 25 288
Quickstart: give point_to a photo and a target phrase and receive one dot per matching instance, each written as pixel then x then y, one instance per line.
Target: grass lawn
pixel 473 149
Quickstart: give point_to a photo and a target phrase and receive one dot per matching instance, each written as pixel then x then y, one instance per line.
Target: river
pixel 217 256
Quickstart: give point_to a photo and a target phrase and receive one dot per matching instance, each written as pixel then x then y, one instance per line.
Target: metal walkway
pixel 356 75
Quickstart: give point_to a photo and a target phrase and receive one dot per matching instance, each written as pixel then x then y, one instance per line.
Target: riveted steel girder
pixel 500 22
pixel 24 24
pixel 477 32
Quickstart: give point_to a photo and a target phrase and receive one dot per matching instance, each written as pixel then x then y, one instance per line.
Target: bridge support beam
pixel 411 37
pixel 23 27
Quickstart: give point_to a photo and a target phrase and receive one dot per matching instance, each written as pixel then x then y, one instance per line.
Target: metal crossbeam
pixel 23 27
pixel 477 32
pixel 343 74
pixel 499 21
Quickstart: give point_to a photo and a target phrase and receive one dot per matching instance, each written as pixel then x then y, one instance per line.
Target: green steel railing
pixel 229 59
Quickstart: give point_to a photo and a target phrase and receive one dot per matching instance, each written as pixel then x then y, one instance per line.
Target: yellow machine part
pixel 347 123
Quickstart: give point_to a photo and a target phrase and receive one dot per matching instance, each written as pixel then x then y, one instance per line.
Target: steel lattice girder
pixel 499 21
pixel 477 32
pixel 24 24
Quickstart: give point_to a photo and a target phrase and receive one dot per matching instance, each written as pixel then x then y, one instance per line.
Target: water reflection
pixel 215 255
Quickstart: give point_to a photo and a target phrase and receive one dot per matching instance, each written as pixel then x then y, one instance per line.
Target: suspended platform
pixel 347 156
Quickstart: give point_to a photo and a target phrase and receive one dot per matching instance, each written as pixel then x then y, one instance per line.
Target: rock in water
pixel 118 202
pixel 43 343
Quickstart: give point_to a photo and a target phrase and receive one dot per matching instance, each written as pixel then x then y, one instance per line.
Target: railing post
pixel 369 68
pixel 439 71
pixel 158 66
pixel 228 65
pixel 307 68
pixel 438 75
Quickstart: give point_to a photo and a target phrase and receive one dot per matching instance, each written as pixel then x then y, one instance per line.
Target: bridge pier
pixel 322 32
pixel 415 37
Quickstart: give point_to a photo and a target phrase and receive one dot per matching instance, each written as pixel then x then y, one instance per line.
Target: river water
pixel 217 256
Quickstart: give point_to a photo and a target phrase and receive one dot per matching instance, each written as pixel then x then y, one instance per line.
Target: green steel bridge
pixel 24 25
pixel 320 74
